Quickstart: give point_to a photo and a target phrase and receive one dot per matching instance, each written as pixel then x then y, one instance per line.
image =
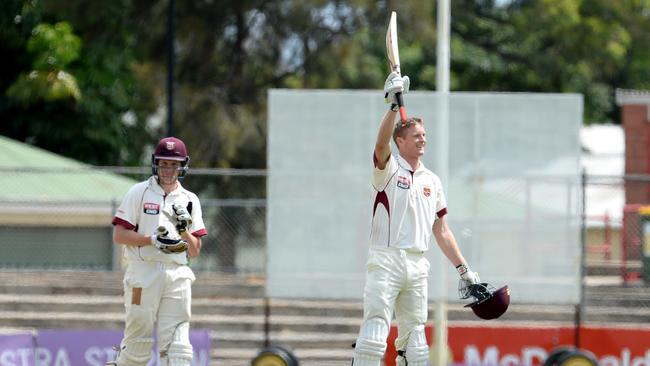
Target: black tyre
pixel 274 356
pixel 557 353
pixel 578 358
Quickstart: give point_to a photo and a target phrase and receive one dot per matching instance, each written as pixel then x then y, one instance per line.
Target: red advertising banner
pixel 525 345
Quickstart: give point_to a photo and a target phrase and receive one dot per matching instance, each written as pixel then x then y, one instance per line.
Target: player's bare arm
pixel 122 235
pixel 447 242
pixel 194 242
pixel 382 146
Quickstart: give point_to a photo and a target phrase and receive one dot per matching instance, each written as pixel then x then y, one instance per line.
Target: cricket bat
pixel 393 59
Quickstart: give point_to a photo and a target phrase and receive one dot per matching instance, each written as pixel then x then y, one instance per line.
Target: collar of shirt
pixel 405 164
pixel 153 183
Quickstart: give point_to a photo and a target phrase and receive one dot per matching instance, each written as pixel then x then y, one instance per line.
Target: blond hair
pixel 402 126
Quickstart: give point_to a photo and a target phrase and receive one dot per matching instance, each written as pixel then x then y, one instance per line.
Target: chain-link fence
pixel 60 218
pixel 617 249
pixel 57 223
pixel 614 228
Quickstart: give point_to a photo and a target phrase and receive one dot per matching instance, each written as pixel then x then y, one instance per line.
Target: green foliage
pixel 53 46
pixel 579 46
pixel 229 53
pixel 43 85
pixel 108 125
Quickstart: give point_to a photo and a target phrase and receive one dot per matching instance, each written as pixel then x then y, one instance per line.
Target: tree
pixel 53 48
pixel 580 46
pixel 105 122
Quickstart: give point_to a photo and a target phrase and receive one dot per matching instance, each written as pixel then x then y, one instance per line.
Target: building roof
pixel 632 96
pixel 38 185
pixel 34 174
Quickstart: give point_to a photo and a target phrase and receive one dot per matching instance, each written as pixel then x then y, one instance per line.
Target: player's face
pixel 168 171
pixel 413 142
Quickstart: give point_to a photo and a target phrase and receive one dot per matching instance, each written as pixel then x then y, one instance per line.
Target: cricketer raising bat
pixel 393 59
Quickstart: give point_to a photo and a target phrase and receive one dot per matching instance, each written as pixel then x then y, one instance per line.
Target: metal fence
pixel 55 231
pixel 614 228
pixel 616 269
pixel 60 218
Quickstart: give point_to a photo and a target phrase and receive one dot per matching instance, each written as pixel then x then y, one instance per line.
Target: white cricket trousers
pixel 157 296
pixel 396 280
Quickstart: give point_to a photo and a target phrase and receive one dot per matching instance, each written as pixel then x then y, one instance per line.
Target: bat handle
pixel 162 231
pixel 402 107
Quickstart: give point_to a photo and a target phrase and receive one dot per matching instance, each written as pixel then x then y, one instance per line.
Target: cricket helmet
pixel 489 303
pixel 170 148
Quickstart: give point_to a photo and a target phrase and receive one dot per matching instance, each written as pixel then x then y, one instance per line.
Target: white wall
pixel 513 191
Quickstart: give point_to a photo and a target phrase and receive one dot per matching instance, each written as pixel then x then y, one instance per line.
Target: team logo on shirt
pixel 151 208
pixel 403 182
pixel 427 191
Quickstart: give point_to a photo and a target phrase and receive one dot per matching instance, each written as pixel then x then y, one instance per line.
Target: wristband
pixel 462 269
pixel 394 107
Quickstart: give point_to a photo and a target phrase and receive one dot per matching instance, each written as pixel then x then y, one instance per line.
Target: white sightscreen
pixel 513 190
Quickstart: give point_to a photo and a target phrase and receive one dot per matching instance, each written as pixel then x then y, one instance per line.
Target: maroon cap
pixel 171 148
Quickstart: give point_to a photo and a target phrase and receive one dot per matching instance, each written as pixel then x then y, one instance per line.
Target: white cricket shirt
pixel 145 207
pixel 406 205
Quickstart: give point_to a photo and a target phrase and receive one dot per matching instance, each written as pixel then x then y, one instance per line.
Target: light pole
pixel 171 25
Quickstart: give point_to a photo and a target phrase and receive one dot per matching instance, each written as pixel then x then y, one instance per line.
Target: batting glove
pixel 467 275
pixel 395 84
pixel 183 218
pixel 168 245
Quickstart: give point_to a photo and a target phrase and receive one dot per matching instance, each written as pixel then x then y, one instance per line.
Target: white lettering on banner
pixel 16 357
pixel 535 356
pixel 530 356
pixel 98 356
pixel 44 357
pixel 203 358
pixel 509 360
pixel 7 358
pixel 624 360
pixel 25 355
pixel 94 356
pixel 62 358
pixel 473 356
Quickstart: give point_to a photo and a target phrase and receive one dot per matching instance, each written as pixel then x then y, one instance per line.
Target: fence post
pixel 114 248
pixel 582 272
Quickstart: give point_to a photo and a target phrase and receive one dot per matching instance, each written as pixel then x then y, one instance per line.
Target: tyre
pixel 578 358
pixel 274 356
pixel 557 353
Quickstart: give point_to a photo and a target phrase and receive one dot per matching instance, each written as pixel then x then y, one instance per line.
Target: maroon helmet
pixel 170 148
pixel 490 303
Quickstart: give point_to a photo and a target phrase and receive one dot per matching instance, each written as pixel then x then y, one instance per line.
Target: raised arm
pixel 382 146
pixel 394 84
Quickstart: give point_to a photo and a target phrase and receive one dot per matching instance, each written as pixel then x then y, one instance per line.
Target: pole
pixel 580 308
pixel 442 169
pixel 267 321
pixel 170 66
